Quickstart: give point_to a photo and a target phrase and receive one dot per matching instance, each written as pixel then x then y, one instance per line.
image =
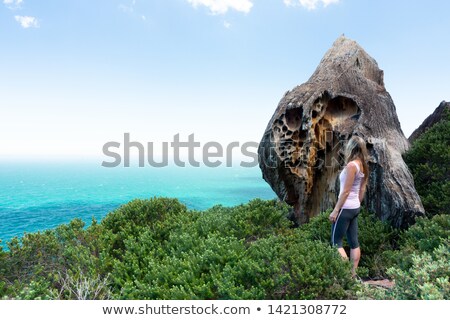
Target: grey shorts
pixel 346 224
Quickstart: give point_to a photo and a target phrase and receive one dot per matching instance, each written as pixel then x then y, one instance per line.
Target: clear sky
pixel 76 74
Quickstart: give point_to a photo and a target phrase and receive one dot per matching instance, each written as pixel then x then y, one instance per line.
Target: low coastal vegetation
pixel 159 249
pixel 429 162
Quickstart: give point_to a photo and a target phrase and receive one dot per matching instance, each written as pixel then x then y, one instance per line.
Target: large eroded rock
pixel 300 154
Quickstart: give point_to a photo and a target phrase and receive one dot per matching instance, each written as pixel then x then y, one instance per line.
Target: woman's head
pixel 356 149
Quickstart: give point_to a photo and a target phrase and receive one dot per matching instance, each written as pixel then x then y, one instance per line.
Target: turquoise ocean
pixel 39 195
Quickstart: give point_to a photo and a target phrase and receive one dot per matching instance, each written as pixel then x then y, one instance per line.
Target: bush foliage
pixel 420 267
pixel 158 249
pixel 429 162
pixel 428 278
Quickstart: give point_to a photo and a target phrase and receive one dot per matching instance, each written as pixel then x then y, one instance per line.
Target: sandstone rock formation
pixel 300 153
pixel 430 121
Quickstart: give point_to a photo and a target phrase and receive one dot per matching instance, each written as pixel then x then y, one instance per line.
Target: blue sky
pixel 77 74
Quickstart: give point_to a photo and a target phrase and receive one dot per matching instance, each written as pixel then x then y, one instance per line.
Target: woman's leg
pixel 343 253
pixel 352 238
pixel 355 255
pixel 338 230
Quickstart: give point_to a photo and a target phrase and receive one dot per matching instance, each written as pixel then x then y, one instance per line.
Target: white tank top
pixel 352 201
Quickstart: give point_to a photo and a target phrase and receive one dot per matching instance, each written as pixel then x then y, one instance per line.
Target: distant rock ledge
pixel 433 118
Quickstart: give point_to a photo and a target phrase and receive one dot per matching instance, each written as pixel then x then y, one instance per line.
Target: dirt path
pixel 385 283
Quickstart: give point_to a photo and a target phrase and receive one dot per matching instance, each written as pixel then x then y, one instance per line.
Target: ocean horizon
pixel 40 195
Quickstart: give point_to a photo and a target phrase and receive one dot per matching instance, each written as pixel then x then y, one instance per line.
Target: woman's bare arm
pixel 362 189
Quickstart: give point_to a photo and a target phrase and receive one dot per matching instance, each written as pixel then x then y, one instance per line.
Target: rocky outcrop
pixel 436 116
pixel 300 154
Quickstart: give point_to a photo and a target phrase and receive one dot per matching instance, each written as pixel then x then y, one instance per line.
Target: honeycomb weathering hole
pixel 340 109
pixel 329 120
pixel 294 118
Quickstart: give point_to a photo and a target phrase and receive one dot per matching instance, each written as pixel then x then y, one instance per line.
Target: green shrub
pixel 227 253
pixel 429 162
pixel 427 279
pixel 424 236
pixel 37 289
pixel 251 221
pixel 129 221
pixel 167 273
pixel 33 266
pixel 318 228
pixel 377 239
pixel 287 267
pixel 157 249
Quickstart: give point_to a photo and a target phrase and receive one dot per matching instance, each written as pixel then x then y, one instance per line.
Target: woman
pixel 353 182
